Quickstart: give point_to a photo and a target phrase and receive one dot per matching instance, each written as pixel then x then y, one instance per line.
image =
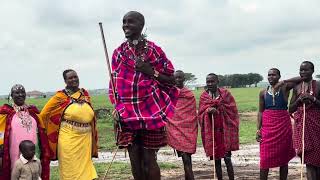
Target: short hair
pixel 139 16
pixel 17 87
pixel 24 143
pixel 275 69
pixel 213 74
pixel 310 63
pixel 64 74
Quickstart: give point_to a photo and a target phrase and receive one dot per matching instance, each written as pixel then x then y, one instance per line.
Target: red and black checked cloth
pixel 276 147
pixel 312 134
pixel 149 139
pixel 143 103
pixel 228 128
pixel 182 129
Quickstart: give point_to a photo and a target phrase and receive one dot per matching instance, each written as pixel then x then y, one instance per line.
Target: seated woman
pixel 71 128
pixel 17 123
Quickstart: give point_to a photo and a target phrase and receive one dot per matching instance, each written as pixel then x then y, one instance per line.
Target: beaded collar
pixel 24 116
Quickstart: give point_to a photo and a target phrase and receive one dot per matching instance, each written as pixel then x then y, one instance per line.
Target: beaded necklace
pixel 304 89
pixel 24 116
pixel 272 92
pixel 139 48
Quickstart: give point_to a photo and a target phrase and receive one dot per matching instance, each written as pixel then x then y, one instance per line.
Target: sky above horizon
pixel 39 39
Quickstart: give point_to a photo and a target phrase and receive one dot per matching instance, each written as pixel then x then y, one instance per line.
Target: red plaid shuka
pixel 43 143
pixel 182 129
pixel 226 122
pixel 312 129
pixel 148 139
pixel 276 147
pixel 143 103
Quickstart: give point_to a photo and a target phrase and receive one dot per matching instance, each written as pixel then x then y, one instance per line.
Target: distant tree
pixel 190 78
pixel 255 78
pixel 239 80
pixel 318 76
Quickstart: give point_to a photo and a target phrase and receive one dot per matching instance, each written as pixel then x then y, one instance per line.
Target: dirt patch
pixel 248 172
pixel 251 116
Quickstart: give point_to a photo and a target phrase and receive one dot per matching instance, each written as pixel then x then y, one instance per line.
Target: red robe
pixel 43 143
pixel 182 129
pixel 226 122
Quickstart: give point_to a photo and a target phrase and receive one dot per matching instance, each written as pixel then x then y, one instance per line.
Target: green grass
pixel 247 132
pixel 118 170
pixel 246 98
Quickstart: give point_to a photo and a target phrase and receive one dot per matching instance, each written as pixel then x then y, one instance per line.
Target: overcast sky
pixel 39 39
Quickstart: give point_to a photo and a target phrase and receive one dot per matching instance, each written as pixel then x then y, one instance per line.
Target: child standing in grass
pixel 27 167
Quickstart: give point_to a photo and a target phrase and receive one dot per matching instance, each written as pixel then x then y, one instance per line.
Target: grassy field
pixel 118 170
pixel 246 99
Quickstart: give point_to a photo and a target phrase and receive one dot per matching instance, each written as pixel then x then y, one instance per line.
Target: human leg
pixel 228 162
pixel 284 172
pixel 187 163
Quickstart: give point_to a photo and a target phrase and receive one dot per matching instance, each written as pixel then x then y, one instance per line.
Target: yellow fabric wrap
pixel 3 119
pixel 53 113
pixel 81 113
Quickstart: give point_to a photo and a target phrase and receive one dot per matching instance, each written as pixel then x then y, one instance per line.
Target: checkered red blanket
pixel 182 129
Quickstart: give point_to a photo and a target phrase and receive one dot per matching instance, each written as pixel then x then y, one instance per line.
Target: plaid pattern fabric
pixel 44 146
pixel 276 147
pixel 227 114
pixel 182 129
pixel 149 139
pixel 142 102
pixel 312 132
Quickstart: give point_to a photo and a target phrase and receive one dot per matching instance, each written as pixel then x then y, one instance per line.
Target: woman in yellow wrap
pixel 71 128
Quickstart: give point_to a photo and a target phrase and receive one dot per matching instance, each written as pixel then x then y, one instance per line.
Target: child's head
pixel 27 149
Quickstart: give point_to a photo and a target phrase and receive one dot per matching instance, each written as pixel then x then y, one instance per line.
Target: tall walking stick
pixel 214 161
pixel 112 88
pixel 302 139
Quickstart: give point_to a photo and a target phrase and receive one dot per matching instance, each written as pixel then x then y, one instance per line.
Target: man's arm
pixel 288 84
pixel 316 100
pixel 294 101
pixel 259 118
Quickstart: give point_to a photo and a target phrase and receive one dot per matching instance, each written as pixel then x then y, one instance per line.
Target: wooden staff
pixel 113 90
pixel 108 62
pixel 302 139
pixel 214 160
pixel 114 156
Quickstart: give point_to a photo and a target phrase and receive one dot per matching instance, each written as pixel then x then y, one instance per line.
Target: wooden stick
pixel 108 62
pixel 109 167
pixel 112 88
pixel 214 160
pixel 302 139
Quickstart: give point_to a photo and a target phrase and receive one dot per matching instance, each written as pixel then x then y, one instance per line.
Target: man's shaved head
pixel 137 15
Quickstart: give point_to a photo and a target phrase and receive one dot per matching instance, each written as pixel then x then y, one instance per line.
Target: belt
pixel 77 124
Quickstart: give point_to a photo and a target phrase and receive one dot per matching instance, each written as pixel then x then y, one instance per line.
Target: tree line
pixel 232 80
pixel 239 80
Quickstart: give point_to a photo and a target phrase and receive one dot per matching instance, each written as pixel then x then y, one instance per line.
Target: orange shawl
pixel 52 114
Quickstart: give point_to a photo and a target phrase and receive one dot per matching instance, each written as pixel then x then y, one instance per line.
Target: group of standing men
pixel 278 142
pixel 153 108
